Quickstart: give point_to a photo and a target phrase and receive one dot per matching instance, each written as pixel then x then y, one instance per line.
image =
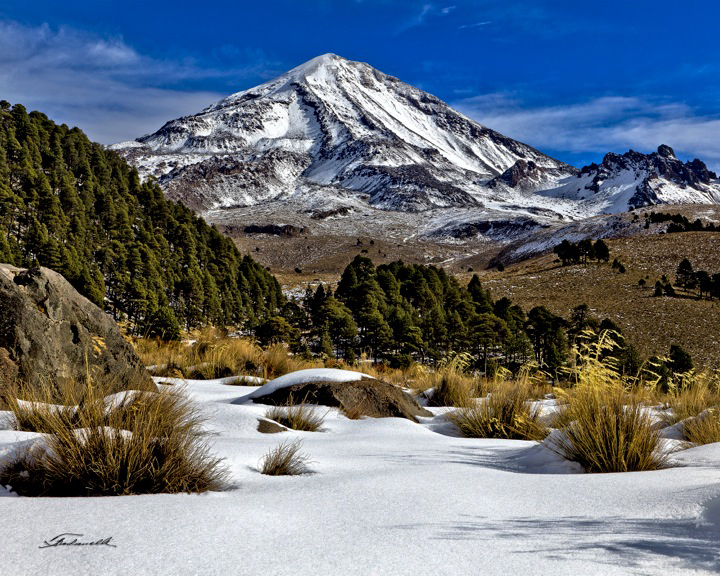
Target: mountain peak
pixel 665 151
pixel 315 64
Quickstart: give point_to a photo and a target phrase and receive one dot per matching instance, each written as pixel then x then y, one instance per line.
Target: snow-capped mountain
pixel 337 140
pixel 331 123
pixel 634 180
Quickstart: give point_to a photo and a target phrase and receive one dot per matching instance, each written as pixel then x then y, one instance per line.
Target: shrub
pixel 285 460
pixel 610 432
pixel 691 396
pixel 142 443
pixel 505 413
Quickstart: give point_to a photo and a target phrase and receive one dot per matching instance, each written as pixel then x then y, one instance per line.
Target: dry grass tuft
pixel 609 430
pixel 216 356
pixel 298 417
pixel 142 443
pixel 452 386
pixel 694 394
pixel 704 428
pixel 505 413
pixel 285 460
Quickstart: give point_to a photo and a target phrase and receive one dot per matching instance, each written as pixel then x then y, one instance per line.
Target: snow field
pixel 384 496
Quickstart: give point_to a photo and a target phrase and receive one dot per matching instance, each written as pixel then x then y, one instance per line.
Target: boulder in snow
pixel 341 389
pixel 50 334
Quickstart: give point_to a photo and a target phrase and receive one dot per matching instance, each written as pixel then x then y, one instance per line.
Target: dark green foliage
pixel 402 313
pixel 581 252
pixel 680 361
pixel 666 370
pixel 73 206
pixel 685 274
pixel 707 284
pixel 163 324
pixel 680 223
pixel 602 252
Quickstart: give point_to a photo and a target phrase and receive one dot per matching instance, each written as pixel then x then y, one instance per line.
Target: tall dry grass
pixel 703 428
pixel 608 430
pixel 450 383
pixel 691 395
pixel 296 416
pixel 213 355
pixel 506 412
pixel 133 443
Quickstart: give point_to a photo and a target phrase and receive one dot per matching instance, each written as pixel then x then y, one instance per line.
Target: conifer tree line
pixel 706 283
pixel 71 205
pixel 399 313
pixel 679 223
pixel 581 252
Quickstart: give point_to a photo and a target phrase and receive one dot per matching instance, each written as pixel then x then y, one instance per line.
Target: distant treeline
pixel 680 223
pixel 399 313
pixel 707 284
pixel 73 206
pixel 581 252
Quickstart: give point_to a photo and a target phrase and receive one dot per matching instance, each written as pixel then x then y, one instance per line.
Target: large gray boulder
pixel 51 335
pixel 366 397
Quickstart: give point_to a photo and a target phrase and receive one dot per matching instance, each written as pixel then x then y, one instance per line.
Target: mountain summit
pixel 334 123
pixel 337 140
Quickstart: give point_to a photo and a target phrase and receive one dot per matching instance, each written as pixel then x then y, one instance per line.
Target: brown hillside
pixel 651 323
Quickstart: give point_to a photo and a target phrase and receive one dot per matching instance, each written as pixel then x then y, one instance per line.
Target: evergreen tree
pixel 71 205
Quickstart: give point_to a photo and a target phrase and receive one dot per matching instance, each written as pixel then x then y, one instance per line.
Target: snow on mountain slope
pixel 334 136
pixel 633 180
pixel 330 122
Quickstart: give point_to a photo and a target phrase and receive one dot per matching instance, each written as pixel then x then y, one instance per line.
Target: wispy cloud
pixel 102 84
pixel 600 125
pixel 421 16
pixel 476 25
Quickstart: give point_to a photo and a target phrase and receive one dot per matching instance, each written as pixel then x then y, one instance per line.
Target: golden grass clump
pixel 298 417
pixel 505 413
pixel 133 443
pixel 452 386
pixel 704 428
pixel 693 394
pixel 609 430
pixel 286 459
pixel 215 355
pixel 166 358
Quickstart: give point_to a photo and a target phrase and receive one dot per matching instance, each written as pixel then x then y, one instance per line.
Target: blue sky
pixel 574 79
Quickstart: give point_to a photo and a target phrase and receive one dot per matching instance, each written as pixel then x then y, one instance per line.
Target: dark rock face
pixel 50 334
pixel 518 173
pixel 498 229
pixel 273 229
pixel 373 398
pixel 660 164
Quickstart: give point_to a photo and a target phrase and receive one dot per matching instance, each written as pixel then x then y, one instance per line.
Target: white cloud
pixel 600 125
pixel 103 85
pixel 476 25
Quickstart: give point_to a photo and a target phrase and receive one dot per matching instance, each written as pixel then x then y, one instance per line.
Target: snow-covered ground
pixel 385 496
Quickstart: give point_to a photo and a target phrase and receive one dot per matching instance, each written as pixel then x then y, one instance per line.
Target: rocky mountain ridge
pixel 338 137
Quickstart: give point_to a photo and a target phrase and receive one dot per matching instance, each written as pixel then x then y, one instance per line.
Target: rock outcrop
pixel 366 397
pixel 51 335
